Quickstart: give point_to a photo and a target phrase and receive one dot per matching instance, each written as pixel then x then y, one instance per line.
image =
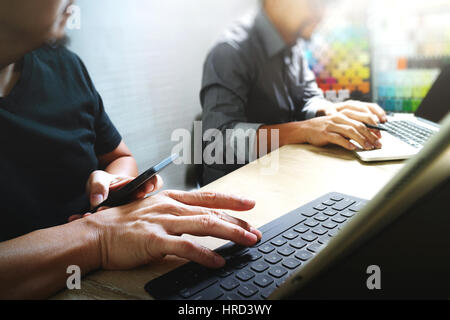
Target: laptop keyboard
pixel 288 243
pixel 409 132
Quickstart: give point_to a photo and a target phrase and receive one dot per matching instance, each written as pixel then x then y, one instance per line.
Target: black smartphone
pixel 123 195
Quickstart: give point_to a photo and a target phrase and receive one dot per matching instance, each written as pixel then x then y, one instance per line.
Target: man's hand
pixel 338 129
pixel 335 124
pixel 365 112
pixel 34 266
pixel 100 183
pixel 148 230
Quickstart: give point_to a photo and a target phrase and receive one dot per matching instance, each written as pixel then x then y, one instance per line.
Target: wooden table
pixel 302 173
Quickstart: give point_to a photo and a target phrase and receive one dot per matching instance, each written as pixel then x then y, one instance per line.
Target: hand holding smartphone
pixel 123 195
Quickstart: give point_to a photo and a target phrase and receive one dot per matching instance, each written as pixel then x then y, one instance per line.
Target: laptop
pixel 407 133
pixel 297 248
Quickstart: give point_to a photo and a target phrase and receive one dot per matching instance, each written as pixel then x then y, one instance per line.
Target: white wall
pixel 146 58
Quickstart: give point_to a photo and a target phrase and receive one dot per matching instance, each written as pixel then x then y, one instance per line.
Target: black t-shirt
pixel 53 126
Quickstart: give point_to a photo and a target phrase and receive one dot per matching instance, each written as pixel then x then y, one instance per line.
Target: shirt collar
pixel 272 41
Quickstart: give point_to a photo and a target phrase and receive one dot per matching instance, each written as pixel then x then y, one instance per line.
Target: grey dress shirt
pixel 252 78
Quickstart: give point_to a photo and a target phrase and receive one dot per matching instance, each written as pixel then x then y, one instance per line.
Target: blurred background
pixel 146 60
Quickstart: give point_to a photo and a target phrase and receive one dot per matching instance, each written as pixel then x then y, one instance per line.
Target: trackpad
pixel 393 149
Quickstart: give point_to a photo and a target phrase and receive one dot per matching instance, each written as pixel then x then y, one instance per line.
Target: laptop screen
pixel 436 104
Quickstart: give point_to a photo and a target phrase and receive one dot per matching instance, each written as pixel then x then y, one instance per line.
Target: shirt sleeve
pixel 108 137
pixel 225 87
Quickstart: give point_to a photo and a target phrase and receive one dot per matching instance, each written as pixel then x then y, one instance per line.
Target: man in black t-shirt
pixel 54 134
pixel 61 154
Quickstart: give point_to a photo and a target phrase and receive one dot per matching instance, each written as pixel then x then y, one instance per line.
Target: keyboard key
pixel 304 255
pixel 297 243
pixel 329 225
pixel 212 293
pixel 291 263
pixel 278 241
pixel 263 280
pixel 311 223
pixel 290 235
pixel 347 214
pixel 321 217
pixel 267 248
pixel 309 213
pixel 342 205
pixel 320 207
pixel 273 258
pixel 248 290
pixel 224 272
pixel 330 213
pixel 310 237
pixel 339 219
pixel 329 203
pixel 245 275
pixel 253 255
pixel 286 251
pixel 319 231
pixel 316 247
pixel 301 229
pixel 278 272
pixel 260 266
pixel 229 284
pixel 337 198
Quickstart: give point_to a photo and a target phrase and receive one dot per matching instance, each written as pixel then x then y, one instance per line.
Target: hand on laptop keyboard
pixel 370 113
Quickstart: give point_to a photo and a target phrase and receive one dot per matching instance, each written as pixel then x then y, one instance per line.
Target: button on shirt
pixel 252 78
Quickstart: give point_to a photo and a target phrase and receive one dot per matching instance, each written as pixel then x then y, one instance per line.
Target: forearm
pixel 34 266
pixel 123 166
pixel 288 133
pixel 119 162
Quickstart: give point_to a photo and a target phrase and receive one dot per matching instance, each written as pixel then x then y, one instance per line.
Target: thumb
pixel 99 189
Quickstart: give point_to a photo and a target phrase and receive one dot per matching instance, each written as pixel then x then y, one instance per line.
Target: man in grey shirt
pixel 256 78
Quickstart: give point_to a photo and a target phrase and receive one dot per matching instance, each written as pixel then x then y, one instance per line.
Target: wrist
pixel 300 133
pixel 89 229
pixel 289 133
pixel 293 133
